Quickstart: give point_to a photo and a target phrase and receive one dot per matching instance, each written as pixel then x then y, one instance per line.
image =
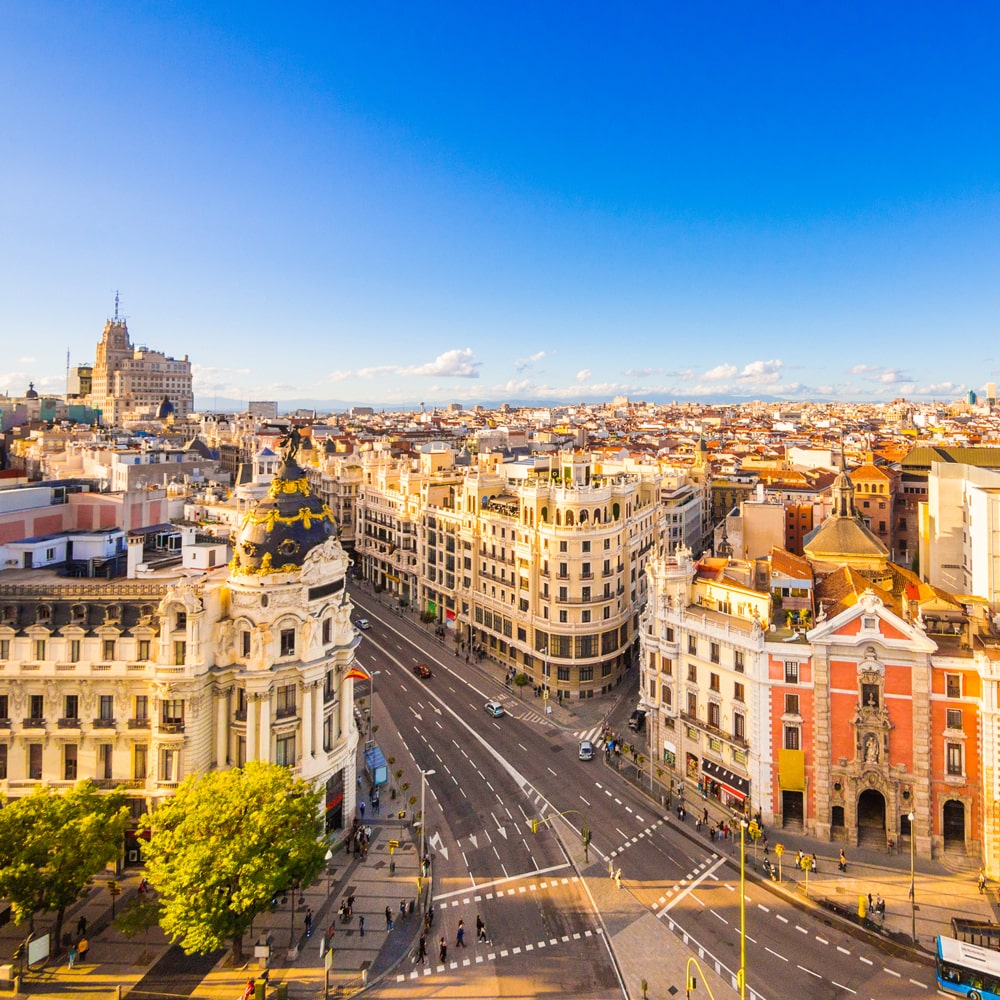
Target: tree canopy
pixel 224 845
pixel 52 844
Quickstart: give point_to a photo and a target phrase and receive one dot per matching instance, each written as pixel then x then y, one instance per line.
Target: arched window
pixel 558 515
pixel 545 515
pixel 597 515
pixel 616 511
pixel 44 613
pixel 570 520
pixel 583 517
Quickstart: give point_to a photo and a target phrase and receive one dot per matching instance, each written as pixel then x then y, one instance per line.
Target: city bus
pixel 967 969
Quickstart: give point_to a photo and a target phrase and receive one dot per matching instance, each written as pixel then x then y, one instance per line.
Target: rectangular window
pixel 585 615
pixel 180 653
pixel 953 685
pixel 713 682
pixel 140 753
pixel 791 704
pixel 563 593
pixel 169 765
pixel 106 708
pixel 953 756
pixel 108 649
pixel 739 727
pixel 327 631
pixel 792 738
pixel 693 673
pixel 181 621
pixel 693 645
pixel 288 642
pixel 563 547
pixel 284 751
pixel 173 711
pixel 586 546
pixel 4 707
pixel 74 651
pixel 39 649
pixel 954 718
pixel 791 673
pixel 285 701
pixel 71 707
pixel 586 673
pixel 562 674
pixel 585 573
pixel 563 571
pixel 141 706
pixel 738 692
pixel 105 756
pixel 713 714
pixel 692 700
pixel 563 617
pixel 3 761
pixel 667 666
pixel 4 649
pixel 713 652
pixel 35 761
pixel 69 761
pixel 143 649
pixel 738 661
pixel 36 705
pixel 245 642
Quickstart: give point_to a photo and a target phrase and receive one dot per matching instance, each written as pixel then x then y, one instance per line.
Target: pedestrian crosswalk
pixel 593 734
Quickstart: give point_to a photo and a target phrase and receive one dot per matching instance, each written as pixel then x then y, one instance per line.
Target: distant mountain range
pixel 224 404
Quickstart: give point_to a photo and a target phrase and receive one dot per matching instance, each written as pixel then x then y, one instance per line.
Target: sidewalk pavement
pixel 357 958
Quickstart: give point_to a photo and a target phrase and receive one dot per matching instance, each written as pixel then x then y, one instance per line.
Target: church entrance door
pixel 871 818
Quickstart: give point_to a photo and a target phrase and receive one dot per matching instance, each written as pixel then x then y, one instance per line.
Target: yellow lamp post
pixel 741 976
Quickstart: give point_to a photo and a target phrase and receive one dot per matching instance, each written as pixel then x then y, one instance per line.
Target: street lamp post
pixel 742 975
pixel 913 894
pixel 424 775
pixel 371 702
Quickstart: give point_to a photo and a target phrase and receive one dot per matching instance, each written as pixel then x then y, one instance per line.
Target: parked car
pixel 637 720
pixel 363 623
pixel 422 671
pixel 494 708
pixel 586 750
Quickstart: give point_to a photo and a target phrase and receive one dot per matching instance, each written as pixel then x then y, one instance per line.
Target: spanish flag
pixel 358 673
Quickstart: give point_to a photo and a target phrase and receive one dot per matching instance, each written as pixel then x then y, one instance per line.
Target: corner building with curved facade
pixel 142 682
pixel 537 563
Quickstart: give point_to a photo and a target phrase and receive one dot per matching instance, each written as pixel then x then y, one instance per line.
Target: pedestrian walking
pixel 309 922
pixel 81 926
pixel 388 919
pixel 361 924
pixel 361 808
pixel 250 988
pixel 981 880
pixel 72 955
pixel 422 949
pixel 480 928
pixel 842 864
pixel 82 948
pixel 443 950
pixel 460 935
pixel 879 904
pixel 618 878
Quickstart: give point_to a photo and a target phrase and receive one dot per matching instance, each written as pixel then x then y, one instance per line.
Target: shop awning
pixel 732 783
pixel 669 747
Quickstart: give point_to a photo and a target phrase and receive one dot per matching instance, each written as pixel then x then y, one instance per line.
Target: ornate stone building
pixel 139 683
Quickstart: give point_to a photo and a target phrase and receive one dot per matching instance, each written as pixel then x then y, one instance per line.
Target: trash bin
pixel 281 993
pixel 258 989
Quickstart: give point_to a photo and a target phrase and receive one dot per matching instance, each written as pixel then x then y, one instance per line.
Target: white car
pixel 363 623
pixel 586 750
pixel 494 708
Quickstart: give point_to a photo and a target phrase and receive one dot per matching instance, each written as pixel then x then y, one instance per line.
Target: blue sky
pixel 394 203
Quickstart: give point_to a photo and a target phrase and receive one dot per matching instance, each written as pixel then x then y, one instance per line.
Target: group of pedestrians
pixel 421 952
pixel 78 950
pixel 360 837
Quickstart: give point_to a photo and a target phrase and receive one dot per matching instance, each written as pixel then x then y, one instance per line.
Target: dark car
pixel 637 720
pixel 422 670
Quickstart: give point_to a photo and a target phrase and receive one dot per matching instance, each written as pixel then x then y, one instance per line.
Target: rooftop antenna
pixel 67 371
pixel 116 305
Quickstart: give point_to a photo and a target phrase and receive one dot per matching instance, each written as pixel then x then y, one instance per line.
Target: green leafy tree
pixel 224 845
pixel 52 844
pixel 519 681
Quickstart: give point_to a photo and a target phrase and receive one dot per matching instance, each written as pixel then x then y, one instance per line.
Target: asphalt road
pixel 493 776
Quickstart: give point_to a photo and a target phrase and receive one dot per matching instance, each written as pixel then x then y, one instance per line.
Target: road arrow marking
pixel 419 718
pixel 500 829
pixel 435 841
pixel 475 841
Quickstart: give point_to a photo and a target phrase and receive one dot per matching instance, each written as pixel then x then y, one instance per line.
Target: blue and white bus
pixel 968 970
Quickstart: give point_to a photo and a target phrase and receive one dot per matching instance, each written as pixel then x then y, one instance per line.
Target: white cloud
pixel 864 369
pixel 641 372
pixel 720 372
pixel 524 363
pixel 27 361
pixel 583 374
pixel 761 372
pixel 450 364
pixel 338 376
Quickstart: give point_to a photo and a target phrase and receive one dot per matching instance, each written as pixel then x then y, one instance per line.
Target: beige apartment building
pixel 537 563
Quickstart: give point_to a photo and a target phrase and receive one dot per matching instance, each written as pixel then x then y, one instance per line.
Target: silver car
pixel 586 750
pixel 494 708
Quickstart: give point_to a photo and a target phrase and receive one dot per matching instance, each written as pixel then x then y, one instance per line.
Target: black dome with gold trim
pixel 277 534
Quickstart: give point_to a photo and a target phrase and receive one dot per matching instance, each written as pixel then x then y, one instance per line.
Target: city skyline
pixel 394 207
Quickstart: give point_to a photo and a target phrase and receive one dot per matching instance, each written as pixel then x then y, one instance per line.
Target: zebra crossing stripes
pixel 593 734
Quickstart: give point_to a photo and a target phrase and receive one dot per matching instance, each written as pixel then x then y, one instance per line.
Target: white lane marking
pixel 761 906
pixel 822 940
pixel 523 747
pixel 584 801
pixel 867 961
pixel 891 973
pixel 841 987
pixel 810 971
pixel 801 930
pixel 843 951
pixel 923 986
pixel 784 920
pixel 776 955
pixel 549 769
pixel 719 915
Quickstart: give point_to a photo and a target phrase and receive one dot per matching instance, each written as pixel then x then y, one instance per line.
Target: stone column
pixel 251 726
pixel 264 750
pixel 221 728
pixel 307 720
